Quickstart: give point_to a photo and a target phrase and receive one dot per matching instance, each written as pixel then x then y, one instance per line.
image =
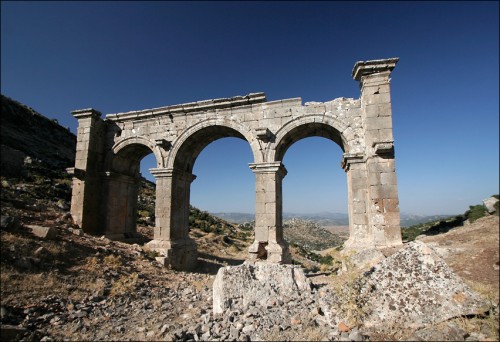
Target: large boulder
pixel 489 203
pixel 414 288
pixel 259 283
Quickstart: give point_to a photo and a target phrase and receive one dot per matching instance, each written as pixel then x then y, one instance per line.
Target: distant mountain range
pixel 327 218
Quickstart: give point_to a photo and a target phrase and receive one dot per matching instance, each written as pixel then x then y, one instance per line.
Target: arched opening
pixel 315 200
pixel 124 190
pixel 171 234
pixel 191 148
pixel 146 197
pixel 315 194
pixel 225 188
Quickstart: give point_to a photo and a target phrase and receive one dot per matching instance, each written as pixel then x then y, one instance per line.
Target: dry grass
pixel 346 286
pixel 126 284
pixel 30 285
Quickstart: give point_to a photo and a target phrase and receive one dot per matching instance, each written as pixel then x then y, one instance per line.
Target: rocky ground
pixel 83 287
pixel 73 286
pixel 472 252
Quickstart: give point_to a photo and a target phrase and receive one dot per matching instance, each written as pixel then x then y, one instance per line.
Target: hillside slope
pixel 472 252
pixel 24 129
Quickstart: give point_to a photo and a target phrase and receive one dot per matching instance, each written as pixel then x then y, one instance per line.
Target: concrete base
pixel 180 255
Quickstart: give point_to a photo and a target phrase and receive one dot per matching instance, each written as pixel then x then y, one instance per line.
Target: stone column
pixel 120 198
pixel 86 190
pixel 357 191
pixel 171 238
pixel 269 243
pixel 383 204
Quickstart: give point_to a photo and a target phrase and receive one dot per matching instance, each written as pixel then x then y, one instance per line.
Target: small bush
pixel 475 212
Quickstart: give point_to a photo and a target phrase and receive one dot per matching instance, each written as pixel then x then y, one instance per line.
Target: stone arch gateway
pixel 106 173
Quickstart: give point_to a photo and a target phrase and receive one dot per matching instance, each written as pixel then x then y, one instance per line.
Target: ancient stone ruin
pixel 106 173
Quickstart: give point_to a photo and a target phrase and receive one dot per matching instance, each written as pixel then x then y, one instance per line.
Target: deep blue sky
pixel 122 56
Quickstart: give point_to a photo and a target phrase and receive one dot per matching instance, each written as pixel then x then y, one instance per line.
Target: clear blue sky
pixel 122 56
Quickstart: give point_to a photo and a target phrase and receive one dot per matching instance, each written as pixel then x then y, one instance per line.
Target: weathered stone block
pixel 49 233
pixel 254 283
pixel 388 178
pixel 385 191
pixel 382 122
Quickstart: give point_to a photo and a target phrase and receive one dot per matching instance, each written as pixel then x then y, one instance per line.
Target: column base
pixel 180 255
pixel 272 252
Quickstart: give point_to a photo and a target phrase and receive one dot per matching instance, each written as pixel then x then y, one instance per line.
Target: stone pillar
pixel 357 191
pixel 120 195
pixel 86 190
pixel 269 243
pixel 171 238
pixel 382 200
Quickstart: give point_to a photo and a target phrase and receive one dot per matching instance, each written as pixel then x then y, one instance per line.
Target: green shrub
pixel 475 212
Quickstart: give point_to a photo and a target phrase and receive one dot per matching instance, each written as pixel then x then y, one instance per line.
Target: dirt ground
pixel 472 251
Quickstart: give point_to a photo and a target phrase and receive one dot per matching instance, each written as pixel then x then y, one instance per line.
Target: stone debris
pixel 49 233
pixel 9 223
pixel 413 288
pixel 258 301
pixel 366 258
pixel 489 203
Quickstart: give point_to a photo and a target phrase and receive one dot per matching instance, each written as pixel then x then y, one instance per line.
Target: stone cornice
pixel 362 68
pixel 275 167
pixel 86 113
pixel 199 106
pixel 351 158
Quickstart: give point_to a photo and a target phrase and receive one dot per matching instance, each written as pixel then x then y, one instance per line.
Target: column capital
pixel 377 66
pixel 351 158
pixel 171 172
pixel 273 167
pixel 86 113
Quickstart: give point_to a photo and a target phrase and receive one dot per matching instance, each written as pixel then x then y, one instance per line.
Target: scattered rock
pixel 367 258
pixel 489 203
pixel 342 327
pixel 76 231
pixel 61 204
pixel 450 332
pixel 11 332
pixel 48 233
pixel 9 223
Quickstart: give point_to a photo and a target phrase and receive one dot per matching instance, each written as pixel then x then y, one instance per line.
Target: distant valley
pixel 327 219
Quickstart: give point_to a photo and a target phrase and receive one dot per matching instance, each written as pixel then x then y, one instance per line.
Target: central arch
pixel 173 188
pixel 187 147
pixel 307 126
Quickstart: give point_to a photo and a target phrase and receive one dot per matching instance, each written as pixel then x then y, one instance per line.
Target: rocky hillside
pixel 29 133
